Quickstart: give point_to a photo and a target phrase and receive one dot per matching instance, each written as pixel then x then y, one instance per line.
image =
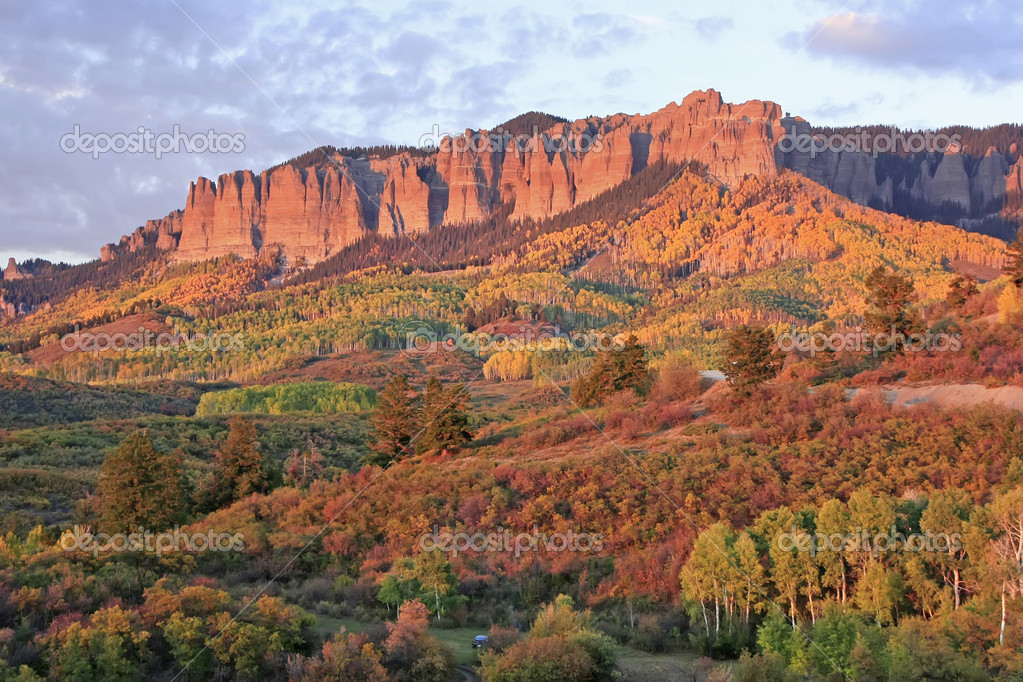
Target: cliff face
pixel 977 186
pixel 312 212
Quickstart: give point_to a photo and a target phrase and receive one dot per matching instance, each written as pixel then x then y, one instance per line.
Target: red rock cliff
pixel 312 212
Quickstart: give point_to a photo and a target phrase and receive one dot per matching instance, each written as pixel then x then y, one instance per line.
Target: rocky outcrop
pixel 989 182
pixel 1014 178
pixel 849 172
pixel 949 182
pixel 11 272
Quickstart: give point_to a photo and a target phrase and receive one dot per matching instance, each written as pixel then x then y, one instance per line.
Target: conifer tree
pixel 239 469
pixel 139 486
pixel 447 422
pixel 890 297
pixel 395 421
pixel 961 289
pixel 750 357
pixel 1013 267
pixel 612 371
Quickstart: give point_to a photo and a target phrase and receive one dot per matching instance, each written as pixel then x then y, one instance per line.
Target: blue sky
pixel 291 77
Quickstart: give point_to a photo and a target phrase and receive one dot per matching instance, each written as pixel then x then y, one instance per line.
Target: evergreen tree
pixel 613 371
pixel 139 486
pixel 239 469
pixel 1013 267
pixel 395 421
pixel 890 297
pixel 445 418
pixel 431 401
pixel 750 357
pixel 961 289
pixel 634 369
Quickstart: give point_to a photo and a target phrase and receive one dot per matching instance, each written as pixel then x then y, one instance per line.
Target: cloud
pixel 286 77
pixel 602 33
pixel 616 77
pixel 980 42
pixel 711 27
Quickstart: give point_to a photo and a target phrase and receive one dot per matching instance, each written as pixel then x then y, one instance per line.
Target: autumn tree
pixel 427 578
pixel 707 576
pixel 750 357
pixel 410 652
pixel 347 656
pixel 139 486
pixel 111 645
pixel 395 421
pixel 946 518
pixel 561 645
pixel 1006 550
pixel 832 521
pixel 305 466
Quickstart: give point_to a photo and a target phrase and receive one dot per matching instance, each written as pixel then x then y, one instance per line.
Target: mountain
pixel 315 210
pixel 537 166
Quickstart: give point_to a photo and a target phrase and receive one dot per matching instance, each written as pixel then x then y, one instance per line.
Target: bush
pixel 750 668
pixel 677 382
pixel 544 659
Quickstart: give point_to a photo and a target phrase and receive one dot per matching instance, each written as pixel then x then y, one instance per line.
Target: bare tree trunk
pixel 717 615
pixel 1001 630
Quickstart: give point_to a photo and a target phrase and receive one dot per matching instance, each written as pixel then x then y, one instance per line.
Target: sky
pixel 272 80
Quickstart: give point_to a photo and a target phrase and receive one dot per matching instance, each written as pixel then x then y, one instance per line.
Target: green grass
pixel 460 641
pixel 328 625
pixel 638 665
pixel 634 665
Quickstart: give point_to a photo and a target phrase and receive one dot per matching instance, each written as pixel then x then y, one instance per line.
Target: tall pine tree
pixel 750 357
pixel 612 371
pixel 239 468
pixel 890 297
pixel 395 421
pixel 139 486
pixel 445 417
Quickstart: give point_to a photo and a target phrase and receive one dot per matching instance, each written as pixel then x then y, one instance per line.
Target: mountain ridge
pixel 314 210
